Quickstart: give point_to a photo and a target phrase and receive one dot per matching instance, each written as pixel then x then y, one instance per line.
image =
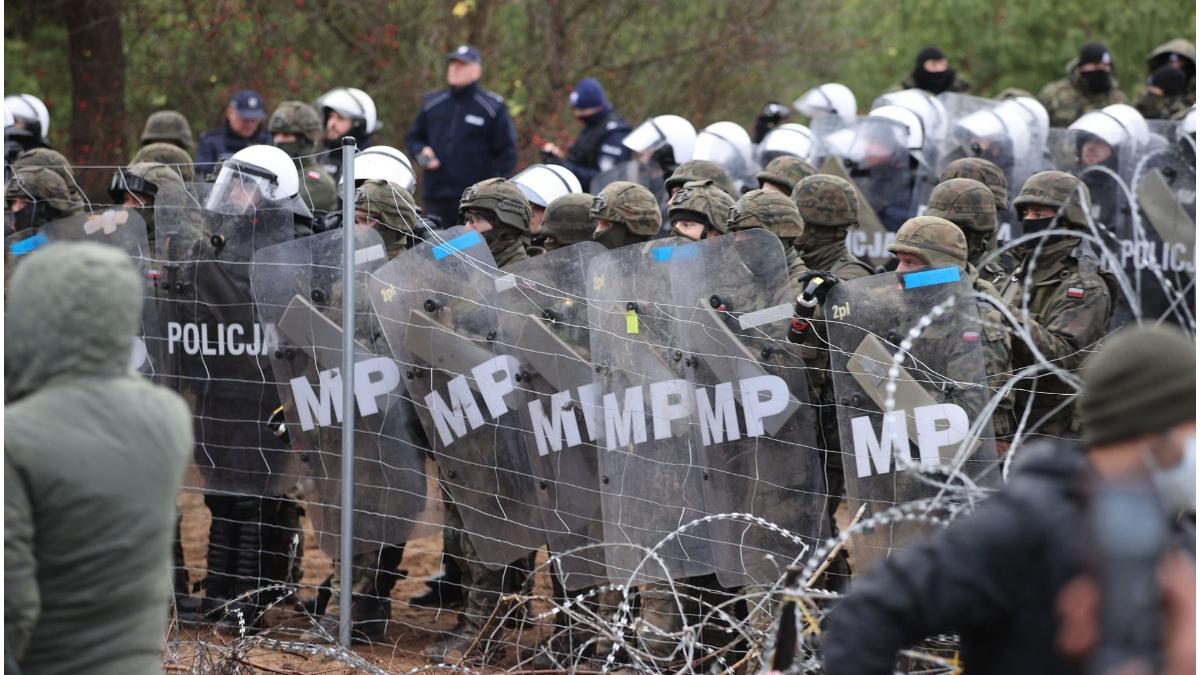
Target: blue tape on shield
pixel 457 244
pixel 669 253
pixel 29 245
pixel 941 275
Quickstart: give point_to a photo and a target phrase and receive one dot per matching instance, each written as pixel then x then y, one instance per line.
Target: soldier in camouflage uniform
pixel 36 195
pixel 931 241
pixel 171 156
pixel 168 126
pixel 568 220
pixel 979 169
pixel 700 169
pixel 783 173
pixel 624 213
pixel 970 205
pixel 498 210
pixel 137 185
pixel 388 208
pixel 52 159
pixel 296 129
pixel 1153 101
pixel 1090 85
pixel 777 213
pixel 829 207
pixel 699 209
pixel 1069 298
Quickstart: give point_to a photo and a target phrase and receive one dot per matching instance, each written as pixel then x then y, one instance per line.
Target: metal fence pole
pixel 346 571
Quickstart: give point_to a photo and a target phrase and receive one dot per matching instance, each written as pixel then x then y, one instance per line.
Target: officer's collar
pixel 467 90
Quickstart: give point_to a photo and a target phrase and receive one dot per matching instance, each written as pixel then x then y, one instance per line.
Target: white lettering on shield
pixel 937 426
pixel 373 378
pixel 221 339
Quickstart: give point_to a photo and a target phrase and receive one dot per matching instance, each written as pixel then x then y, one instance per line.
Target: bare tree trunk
pixel 98 89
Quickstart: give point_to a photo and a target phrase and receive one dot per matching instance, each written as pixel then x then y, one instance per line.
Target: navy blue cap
pixel 249 104
pixel 588 94
pixel 466 54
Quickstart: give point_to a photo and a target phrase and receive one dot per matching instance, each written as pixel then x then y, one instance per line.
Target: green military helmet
pixel 773 211
pixel 502 199
pixel 785 172
pixel 977 168
pixel 964 202
pixel 299 118
pixel 41 185
pixel 568 220
pixel 701 201
pixel 1159 56
pixel 172 156
pixel 937 241
pixel 392 206
pixel 702 169
pixel 628 204
pixel 1057 190
pixel 55 161
pixel 167 126
pixel 826 201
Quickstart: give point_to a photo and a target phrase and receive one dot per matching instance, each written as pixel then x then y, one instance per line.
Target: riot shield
pixel 544 325
pixel 217 348
pixel 298 289
pixel 436 304
pixel 647 174
pixel 912 399
pixel 1011 134
pixel 757 428
pixel 114 226
pixel 877 161
pixel 651 469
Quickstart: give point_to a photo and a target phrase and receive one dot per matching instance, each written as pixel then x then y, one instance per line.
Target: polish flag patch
pixel 313 175
pixel 1075 293
pixel 970 336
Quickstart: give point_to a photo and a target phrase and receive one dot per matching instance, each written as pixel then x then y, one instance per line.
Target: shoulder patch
pixel 611 149
pixel 497 97
pixel 434 99
pixel 313 175
pixel 612 124
pixel 488 105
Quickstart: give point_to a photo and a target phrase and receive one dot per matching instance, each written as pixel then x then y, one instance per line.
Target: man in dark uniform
pixel 598 147
pixel 462 135
pixel 243 127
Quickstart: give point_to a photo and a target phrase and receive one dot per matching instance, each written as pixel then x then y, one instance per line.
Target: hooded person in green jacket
pixel 93 459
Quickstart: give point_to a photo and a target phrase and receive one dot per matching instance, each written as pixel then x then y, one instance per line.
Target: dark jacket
pixel 472 135
pixel 94 457
pixel 598 146
pixel 219 145
pixel 992 577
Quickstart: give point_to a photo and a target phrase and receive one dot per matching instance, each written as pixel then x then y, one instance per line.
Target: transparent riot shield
pixel 1164 184
pixel 437 306
pixel 913 401
pixel 873 151
pixel 1011 134
pixel 757 428
pixel 544 326
pixel 647 174
pixel 298 289
pixel 217 349
pixel 114 226
pixel 651 467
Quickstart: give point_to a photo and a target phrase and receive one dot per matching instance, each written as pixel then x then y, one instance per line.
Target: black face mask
pixel 296 148
pixel 1036 225
pixel 614 237
pixel 1096 81
pixel 935 83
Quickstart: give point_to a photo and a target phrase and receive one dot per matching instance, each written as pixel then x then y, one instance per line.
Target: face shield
pixel 878 144
pixel 791 140
pixel 242 188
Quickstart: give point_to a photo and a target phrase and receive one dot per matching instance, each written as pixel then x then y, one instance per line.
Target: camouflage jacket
pixel 516 252
pixel 832 256
pixel 1066 102
pixel 997 353
pixel 1069 304
pixel 318 189
pixel 1154 107
pixel 796 268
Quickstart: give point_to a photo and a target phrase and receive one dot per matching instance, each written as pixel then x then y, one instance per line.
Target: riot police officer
pixel 598 147
pixel 347 112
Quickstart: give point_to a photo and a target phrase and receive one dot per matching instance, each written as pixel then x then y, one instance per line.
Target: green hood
pixel 73 311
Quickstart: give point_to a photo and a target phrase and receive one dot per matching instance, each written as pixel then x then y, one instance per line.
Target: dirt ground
pixel 411 629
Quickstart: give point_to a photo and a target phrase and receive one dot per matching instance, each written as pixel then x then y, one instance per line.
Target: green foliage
pixel 705 60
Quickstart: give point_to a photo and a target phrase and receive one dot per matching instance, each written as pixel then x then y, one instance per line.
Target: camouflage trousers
pixel 482 585
pixel 664 615
pixel 374 575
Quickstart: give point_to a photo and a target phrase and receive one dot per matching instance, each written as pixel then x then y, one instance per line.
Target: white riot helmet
pixel 1022 120
pixel 352 103
pixel 383 162
pixel 727 144
pixel 30 110
pixel 831 98
pixel 9 120
pixel 791 139
pixel 543 183
pixel 914 138
pixel 926 106
pixel 257 177
pixel 1188 124
pixel 1116 125
pixel 657 132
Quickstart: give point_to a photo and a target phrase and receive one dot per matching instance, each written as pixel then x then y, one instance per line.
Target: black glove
pixel 817 291
pixel 550 158
pixel 772 114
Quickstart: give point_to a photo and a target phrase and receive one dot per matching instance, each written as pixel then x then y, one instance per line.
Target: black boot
pixel 445 589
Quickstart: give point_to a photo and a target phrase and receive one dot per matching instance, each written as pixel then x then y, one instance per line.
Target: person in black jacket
pixel 995 577
pixel 463 134
pixel 243 128
pixel 598 147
